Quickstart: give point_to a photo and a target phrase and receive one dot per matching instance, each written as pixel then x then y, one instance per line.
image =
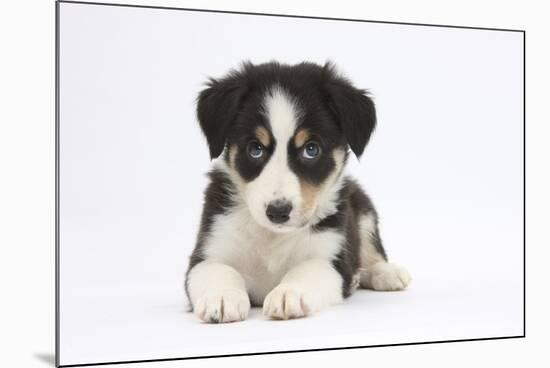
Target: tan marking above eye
pixel 263 136
pixel 301 137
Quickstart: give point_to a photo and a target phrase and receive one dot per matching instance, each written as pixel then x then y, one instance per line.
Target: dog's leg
pixel 218 293
pixel 305 289
pixel 377 273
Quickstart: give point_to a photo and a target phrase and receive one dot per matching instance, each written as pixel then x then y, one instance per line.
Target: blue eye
pixel 311 150
pixel 255 150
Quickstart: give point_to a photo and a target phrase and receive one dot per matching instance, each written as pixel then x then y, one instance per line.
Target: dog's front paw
pixel 388 277
pixel 286 302
pixel 222 307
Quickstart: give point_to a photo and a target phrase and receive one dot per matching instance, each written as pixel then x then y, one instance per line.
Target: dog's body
pixel 282 226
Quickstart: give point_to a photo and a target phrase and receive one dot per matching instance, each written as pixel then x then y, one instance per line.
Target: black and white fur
pixel 282 227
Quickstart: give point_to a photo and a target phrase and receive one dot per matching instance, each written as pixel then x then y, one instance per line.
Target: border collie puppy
pixel 282 226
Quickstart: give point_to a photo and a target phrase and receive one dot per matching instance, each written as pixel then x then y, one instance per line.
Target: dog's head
pixel 285 132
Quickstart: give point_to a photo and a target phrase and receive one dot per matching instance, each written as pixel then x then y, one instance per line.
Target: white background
pixel 445 170
pixel 28 230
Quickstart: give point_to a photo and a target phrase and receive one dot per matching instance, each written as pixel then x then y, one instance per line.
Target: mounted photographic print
pixel 236 183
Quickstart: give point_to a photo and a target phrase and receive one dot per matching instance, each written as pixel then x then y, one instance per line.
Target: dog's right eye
pixel 255 150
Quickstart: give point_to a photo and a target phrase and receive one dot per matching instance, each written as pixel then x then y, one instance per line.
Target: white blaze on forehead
pixel 282 114
pixel 277 181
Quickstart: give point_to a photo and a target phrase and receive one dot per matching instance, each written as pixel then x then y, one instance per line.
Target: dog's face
pixel 285 132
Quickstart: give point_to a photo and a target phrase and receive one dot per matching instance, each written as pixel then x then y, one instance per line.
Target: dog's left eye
pixel 311 150
pixel 255 150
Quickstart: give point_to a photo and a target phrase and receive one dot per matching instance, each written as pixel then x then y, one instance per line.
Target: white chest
pixel 261 256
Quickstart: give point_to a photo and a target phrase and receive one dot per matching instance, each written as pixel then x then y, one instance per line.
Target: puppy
pixel 282 227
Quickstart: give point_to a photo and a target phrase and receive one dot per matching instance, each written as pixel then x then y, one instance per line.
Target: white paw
pixel 286 302
pixel 388 277
pixel 222 307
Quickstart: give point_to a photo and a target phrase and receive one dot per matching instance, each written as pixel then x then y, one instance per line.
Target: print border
pixel 57 183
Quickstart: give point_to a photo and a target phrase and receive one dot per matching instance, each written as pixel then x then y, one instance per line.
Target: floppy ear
pixel 217 108
pixel 355 112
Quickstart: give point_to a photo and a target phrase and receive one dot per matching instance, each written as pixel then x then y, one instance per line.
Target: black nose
pixel 278 211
